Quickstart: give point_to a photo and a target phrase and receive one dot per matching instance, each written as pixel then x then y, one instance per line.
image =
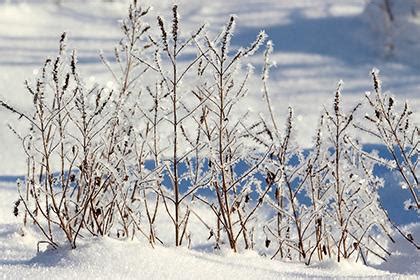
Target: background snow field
pixel 316 44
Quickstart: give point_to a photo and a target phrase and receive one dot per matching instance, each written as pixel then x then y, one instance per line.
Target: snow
pixel 316 43
pixel 108 258
pixel 97 260
pixel 405 258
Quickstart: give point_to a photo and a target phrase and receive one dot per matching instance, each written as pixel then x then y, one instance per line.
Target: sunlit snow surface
pixel 317 43
pixel 111 259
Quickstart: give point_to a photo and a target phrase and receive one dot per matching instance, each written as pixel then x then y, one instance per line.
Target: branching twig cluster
pixel 99 163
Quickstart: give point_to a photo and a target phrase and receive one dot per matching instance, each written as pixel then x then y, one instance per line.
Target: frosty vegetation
pixel 97 164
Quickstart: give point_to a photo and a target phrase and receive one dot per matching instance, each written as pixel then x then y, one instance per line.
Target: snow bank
pixel 111 259
pixel 107 258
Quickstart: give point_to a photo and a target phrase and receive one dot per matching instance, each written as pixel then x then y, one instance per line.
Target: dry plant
pixel 327 201
pixel 97 164
pixel 125 153
pixel 180 160
pixel 399 133
pixel 297 227
pixel 65 181
pixel 354 208
pixel 226 136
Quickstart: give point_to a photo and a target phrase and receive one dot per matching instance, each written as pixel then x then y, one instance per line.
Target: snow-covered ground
pixel 317 43
pixel 111 259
